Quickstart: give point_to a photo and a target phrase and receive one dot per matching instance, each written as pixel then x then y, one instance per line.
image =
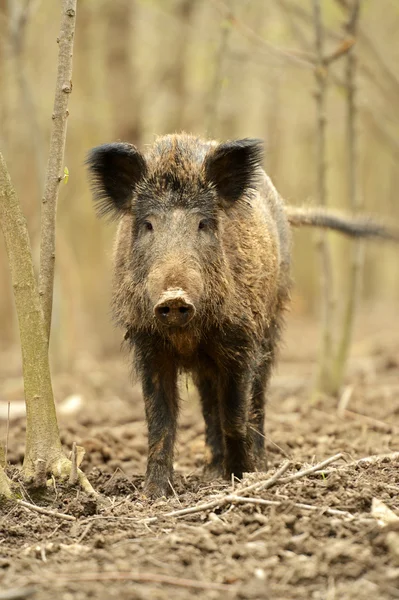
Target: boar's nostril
pixel 174 311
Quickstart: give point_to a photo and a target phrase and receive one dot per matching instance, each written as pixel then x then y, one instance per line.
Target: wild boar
pixel 201 281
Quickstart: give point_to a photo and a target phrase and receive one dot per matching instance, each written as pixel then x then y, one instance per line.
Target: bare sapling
pixel 355 204
pixel 44 453
pixel 55 173
pixel 327 291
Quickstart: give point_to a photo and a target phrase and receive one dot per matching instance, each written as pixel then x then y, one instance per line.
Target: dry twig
pixel 18 593
pixel 45 511
pixel 258 486
pixel 366 460
pixel 310 470
pixel 142 578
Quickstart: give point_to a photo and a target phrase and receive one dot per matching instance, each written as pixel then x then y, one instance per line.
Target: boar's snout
pixel 174 309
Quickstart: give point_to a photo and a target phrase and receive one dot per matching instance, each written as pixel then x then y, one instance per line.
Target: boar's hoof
pixel 239 469
pixel 213 470
pixel 157 489
pixel 174 309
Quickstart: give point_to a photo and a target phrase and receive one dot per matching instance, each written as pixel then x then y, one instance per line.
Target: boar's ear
pixel 233 167
pixel 115 170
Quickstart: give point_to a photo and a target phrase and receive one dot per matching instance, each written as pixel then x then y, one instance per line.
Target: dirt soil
pixel 340 550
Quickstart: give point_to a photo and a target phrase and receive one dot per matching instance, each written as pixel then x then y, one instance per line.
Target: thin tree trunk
pixel 42 435
pixel 321 74
pixel 55 173
pixel 355 204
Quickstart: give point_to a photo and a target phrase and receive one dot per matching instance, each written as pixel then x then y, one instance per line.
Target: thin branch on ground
pixel 18 593
pixel 370 421
pixel 142 578
pixel 310 470
pixel 366 460
pixel 223 500
pixel 45 511
pixel 268 483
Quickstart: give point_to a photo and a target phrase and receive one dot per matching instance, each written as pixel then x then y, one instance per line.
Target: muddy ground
pixel 341 550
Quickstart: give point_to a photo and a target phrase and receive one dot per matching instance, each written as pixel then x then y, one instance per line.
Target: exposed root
pixel 5 487
pixel 62 468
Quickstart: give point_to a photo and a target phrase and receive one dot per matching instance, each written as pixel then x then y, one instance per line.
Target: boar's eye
pixel 203 224
pixel 148 225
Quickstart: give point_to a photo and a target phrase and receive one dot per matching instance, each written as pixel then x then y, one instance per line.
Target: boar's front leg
pixel 159 384
pixel 234 398
pixel 206 381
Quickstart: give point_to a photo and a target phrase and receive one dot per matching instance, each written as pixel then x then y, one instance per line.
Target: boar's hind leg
pixel 234 400
pixel 258 400
pixel 159 382
pixel 257 414
pixel 208 391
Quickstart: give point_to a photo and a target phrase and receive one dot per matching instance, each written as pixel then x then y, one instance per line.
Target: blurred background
pixel 221 69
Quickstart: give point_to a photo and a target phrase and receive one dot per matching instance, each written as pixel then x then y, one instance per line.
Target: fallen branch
pixel 18 593
pixel 311 470
pixel 45 511
pixel 258 486
pixel 367 460
pixel 370 421
pixel 142 578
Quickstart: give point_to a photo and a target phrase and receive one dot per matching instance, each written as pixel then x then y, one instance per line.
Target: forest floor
pixel 124 546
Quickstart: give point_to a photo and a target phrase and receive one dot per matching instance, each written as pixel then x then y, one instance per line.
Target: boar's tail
pixel 361 226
